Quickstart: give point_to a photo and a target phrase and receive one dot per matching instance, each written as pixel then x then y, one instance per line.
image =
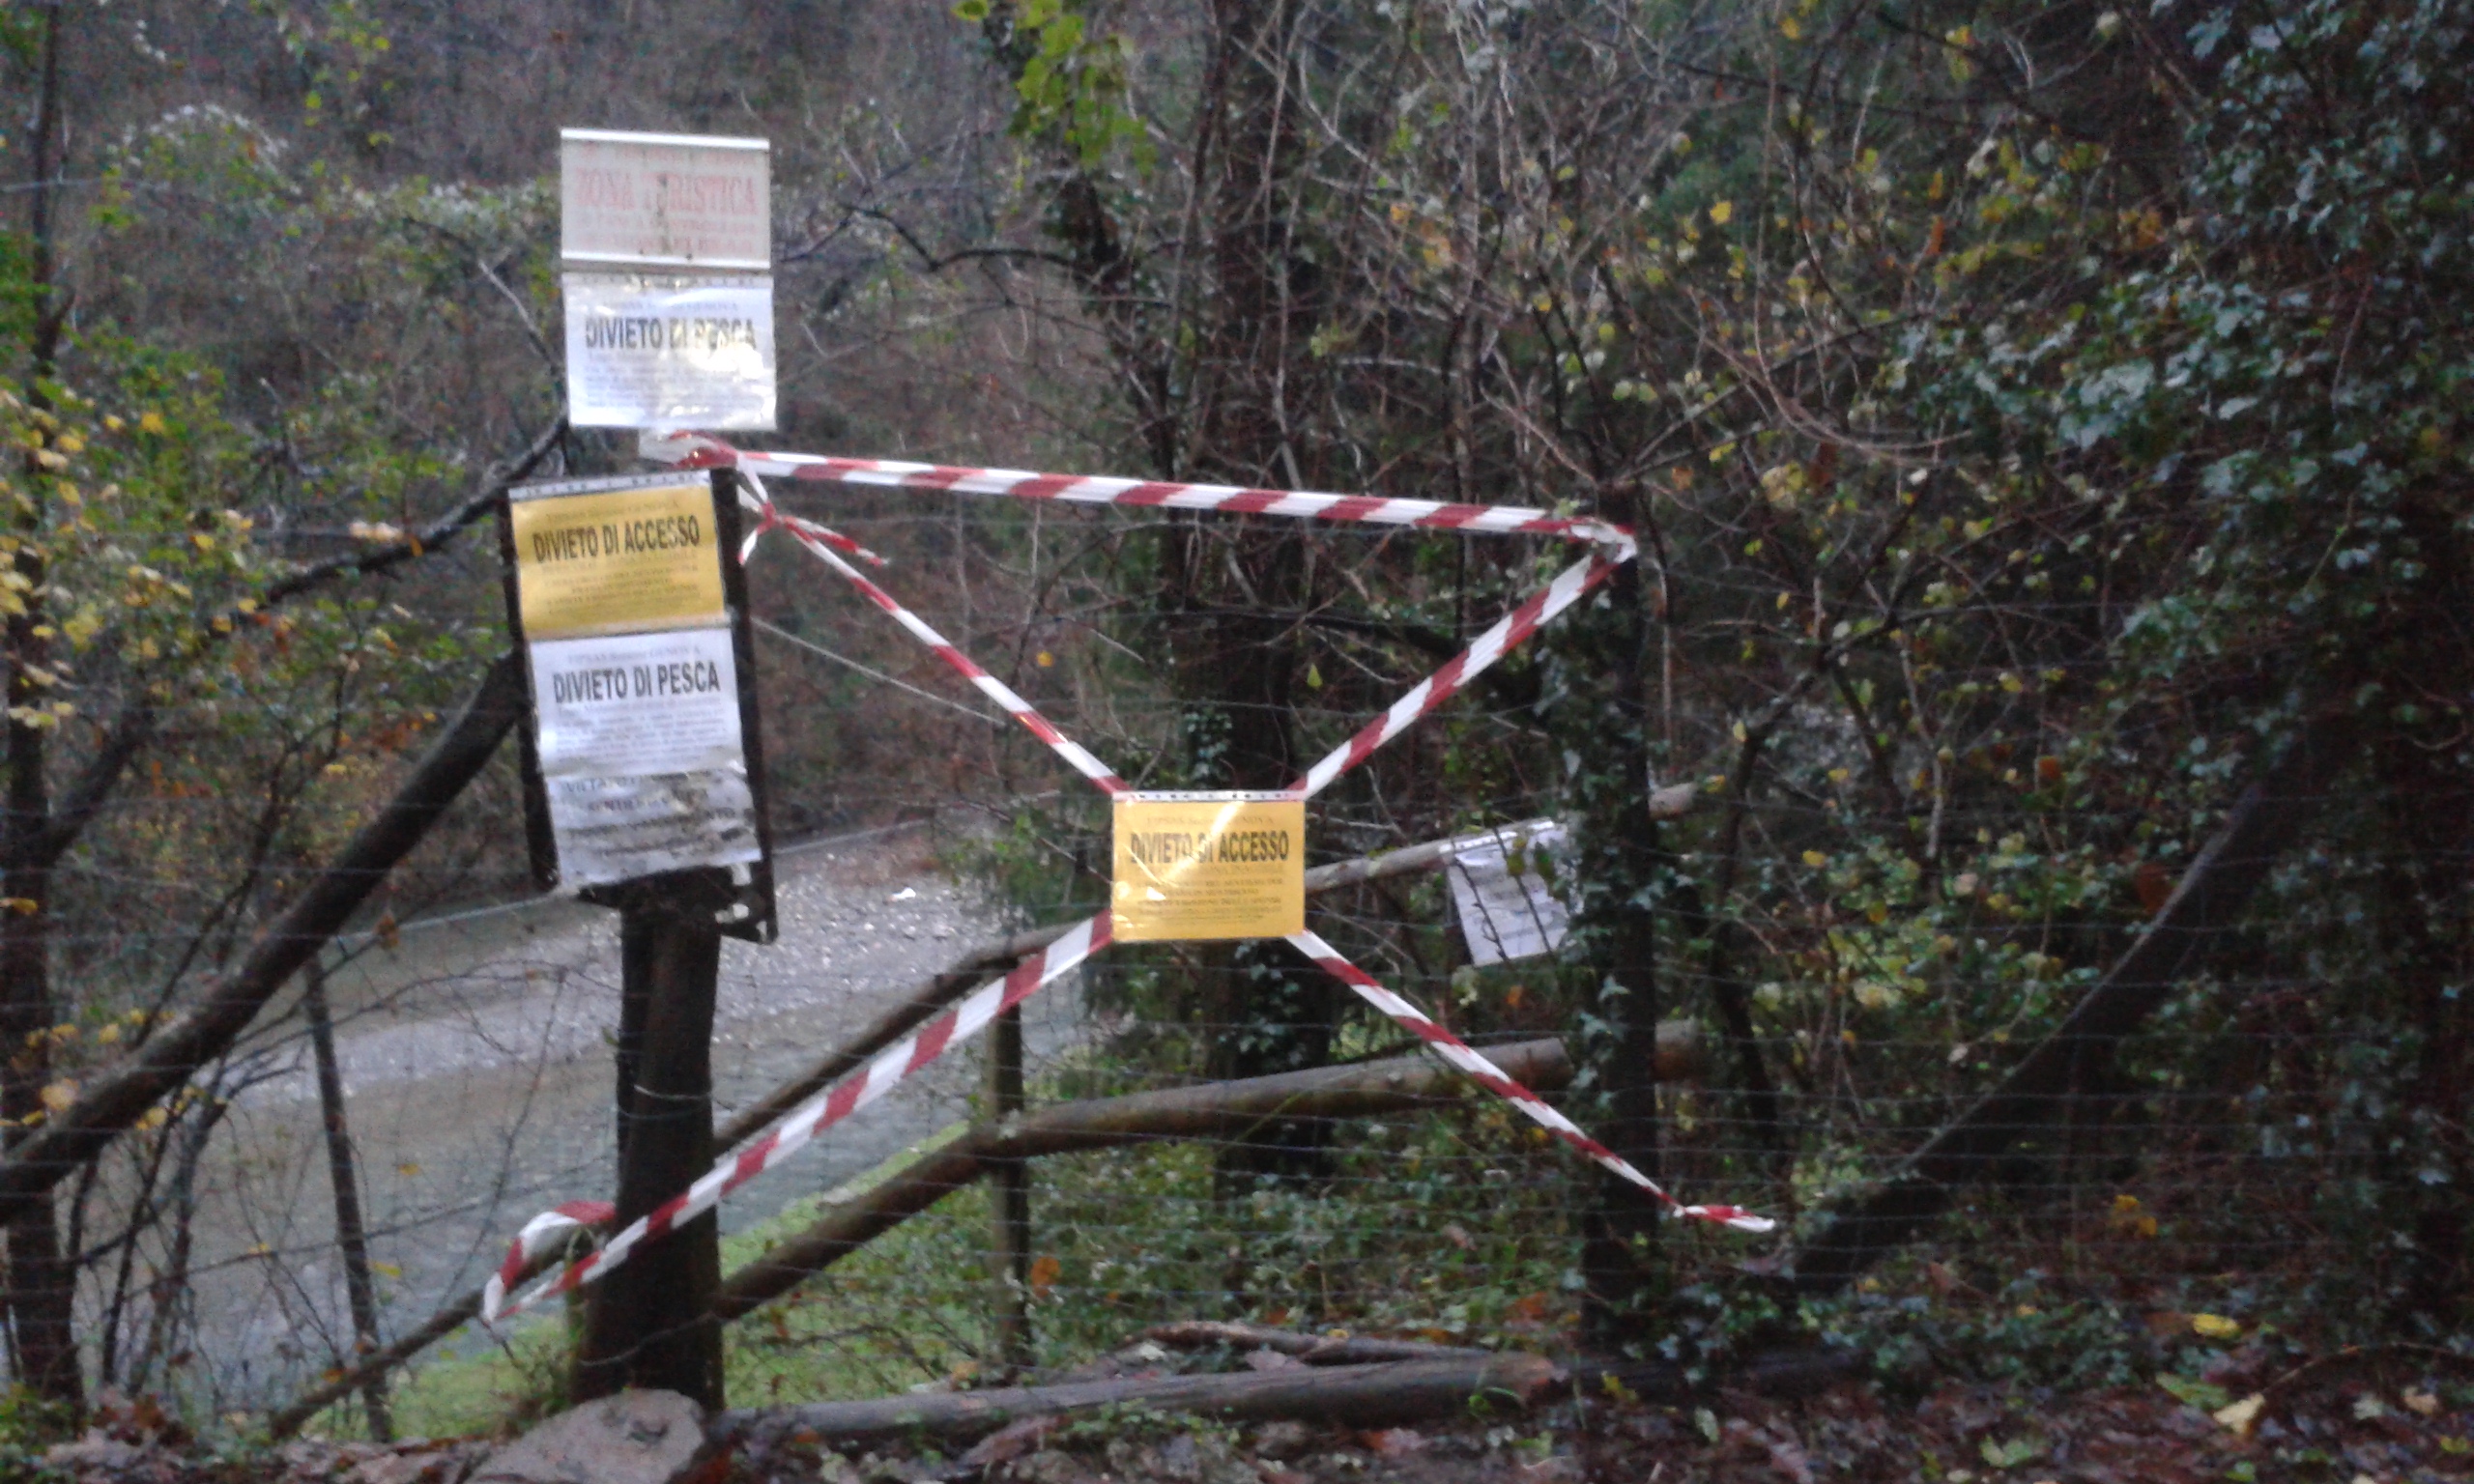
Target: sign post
pixel 645 776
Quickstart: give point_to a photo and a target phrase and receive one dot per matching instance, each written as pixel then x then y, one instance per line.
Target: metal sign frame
pixel 750 914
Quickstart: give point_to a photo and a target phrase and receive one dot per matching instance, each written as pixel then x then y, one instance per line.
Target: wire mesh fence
pixel 2253 1153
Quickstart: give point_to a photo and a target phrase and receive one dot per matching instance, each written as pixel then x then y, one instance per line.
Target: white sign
pixel 617 829
pixel 642 755
pixel 667 352
pixel 1504 890
pixel 665 200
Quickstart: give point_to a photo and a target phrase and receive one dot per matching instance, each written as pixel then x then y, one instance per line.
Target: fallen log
pixel 1386 1395
pixel 1214 1110
pixel 1312 1349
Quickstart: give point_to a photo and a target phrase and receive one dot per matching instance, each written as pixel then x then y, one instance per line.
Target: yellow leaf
pixel 1791 29
pixel 1815 858
pixel 2243 1416
pixel 387 1270
pixel 408 1170
pixel 1044 658
pixel 1722 212
pixel 151 422
pixel 2215 1326
pixel 58 1097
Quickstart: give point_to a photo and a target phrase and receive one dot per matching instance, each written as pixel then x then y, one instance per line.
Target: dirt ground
pixel 2353 1419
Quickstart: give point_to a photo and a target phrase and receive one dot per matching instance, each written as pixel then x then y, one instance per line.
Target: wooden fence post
pixel 651 1320
pixel 1010 1196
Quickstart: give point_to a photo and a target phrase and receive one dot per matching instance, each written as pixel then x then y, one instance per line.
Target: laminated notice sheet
pixel 605 560
pixel 1208 866
pixel 641 755
pixel 1503 887
pixel 661 352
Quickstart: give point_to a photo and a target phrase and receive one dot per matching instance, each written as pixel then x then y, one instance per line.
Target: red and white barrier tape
pixel 771 517
pixel 697 450
pixel 542 1235
pixel 883 1073
pixel 973 1013
pixel 996 689
pixel 1487 1074
pixel 1568 589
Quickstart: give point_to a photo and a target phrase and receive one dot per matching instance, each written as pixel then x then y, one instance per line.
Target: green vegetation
pixel 2043 421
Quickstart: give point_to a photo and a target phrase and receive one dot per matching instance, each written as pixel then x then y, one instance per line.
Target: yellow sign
pixel 618 561
pixel 1199 866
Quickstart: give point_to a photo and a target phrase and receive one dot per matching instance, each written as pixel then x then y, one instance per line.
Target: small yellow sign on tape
pixel 1203 866
pixel 618 561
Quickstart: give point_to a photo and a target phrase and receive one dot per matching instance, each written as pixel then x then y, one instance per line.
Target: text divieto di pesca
pixel 652 333
pixel 679 678
pixel 1237 847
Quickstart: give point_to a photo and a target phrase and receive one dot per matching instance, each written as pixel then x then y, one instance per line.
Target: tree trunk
pixel 352 1238
pixel 41 1286
pixel 1623 868
pixel 651 1322
pixel 1237 592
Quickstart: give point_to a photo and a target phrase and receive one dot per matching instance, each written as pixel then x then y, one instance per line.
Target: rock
pixel 414 1462
pixel 98 1449
pixel 1280 1439
pixel 1048 1468
pixel 633 1437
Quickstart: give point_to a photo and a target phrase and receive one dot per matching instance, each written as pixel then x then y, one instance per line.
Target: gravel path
pixel 478 1086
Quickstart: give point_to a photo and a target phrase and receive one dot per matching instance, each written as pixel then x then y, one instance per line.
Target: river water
pixel 477 1061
